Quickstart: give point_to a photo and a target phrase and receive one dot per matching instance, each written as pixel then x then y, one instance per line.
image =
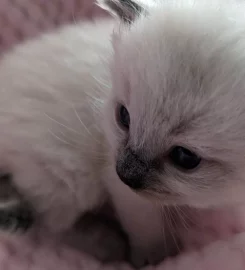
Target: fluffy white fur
pixel 189 57
pixel 179 70
pixel 52 95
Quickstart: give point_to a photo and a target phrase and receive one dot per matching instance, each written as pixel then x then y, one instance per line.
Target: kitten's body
pixel 53 92
pixel 51 96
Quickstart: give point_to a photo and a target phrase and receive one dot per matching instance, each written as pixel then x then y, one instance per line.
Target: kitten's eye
pixel 184 158
pixel 123 116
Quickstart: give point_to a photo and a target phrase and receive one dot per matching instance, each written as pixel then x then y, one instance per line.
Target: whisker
pixel 171 228
pixel 96 156
pixel 181 216
pixel 60 139
pixel 80 120
pixel 186 215
pixel 163 216
pixel 101 83
pixel 63 125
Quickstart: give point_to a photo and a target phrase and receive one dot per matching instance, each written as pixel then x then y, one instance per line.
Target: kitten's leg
pixel 145 230
pixel 157 249
pixel 15 214
pixel 143 223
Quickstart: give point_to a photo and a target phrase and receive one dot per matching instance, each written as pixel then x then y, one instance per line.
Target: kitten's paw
pixel 18 218
pixel 14 213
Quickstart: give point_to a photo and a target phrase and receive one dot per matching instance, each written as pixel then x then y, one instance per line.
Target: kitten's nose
pixel 132 170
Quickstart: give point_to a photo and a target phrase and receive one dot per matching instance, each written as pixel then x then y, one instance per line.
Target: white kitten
pixel 171 130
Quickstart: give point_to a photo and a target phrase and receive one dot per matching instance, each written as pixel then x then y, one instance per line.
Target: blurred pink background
pixel 22 19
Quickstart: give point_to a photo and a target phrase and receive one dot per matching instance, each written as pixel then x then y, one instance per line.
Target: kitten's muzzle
pixel 132 170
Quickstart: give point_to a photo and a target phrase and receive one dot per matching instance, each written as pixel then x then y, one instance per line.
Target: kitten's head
pixel 176 115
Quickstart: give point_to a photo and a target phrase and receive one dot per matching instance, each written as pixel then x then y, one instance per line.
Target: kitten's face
pixel 176 115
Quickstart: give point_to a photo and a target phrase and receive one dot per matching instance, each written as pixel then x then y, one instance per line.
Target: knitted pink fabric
pixel 46 254
pixel 22 19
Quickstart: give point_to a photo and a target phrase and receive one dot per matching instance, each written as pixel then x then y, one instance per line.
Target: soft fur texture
pixel 51 126
pixel 179 71
pixel 189 58
pixel 178 68
pixel 54 128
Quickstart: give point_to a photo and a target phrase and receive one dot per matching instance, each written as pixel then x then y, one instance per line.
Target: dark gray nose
pixel 131 169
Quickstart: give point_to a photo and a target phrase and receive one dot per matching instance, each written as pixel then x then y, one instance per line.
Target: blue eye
pixel 123 116
pixel 184 158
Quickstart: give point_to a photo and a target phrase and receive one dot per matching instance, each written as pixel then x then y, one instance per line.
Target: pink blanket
pixel 45 253
pixel 22 19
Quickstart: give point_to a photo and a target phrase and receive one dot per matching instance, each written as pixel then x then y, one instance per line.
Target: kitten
pixel 174 112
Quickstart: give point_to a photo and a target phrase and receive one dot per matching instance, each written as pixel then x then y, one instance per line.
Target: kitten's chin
pixel 171 199
pixel 165 198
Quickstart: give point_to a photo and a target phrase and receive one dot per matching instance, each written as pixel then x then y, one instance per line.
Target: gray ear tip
pixel 108 5
pixel 126 10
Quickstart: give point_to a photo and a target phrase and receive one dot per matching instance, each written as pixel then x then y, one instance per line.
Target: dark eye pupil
pixel 184 158
pixel 124 117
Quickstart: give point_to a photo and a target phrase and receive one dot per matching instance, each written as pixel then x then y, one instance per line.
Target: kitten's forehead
pixel 181 69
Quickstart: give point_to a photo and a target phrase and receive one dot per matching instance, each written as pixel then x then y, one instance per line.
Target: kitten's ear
pixel 126 10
